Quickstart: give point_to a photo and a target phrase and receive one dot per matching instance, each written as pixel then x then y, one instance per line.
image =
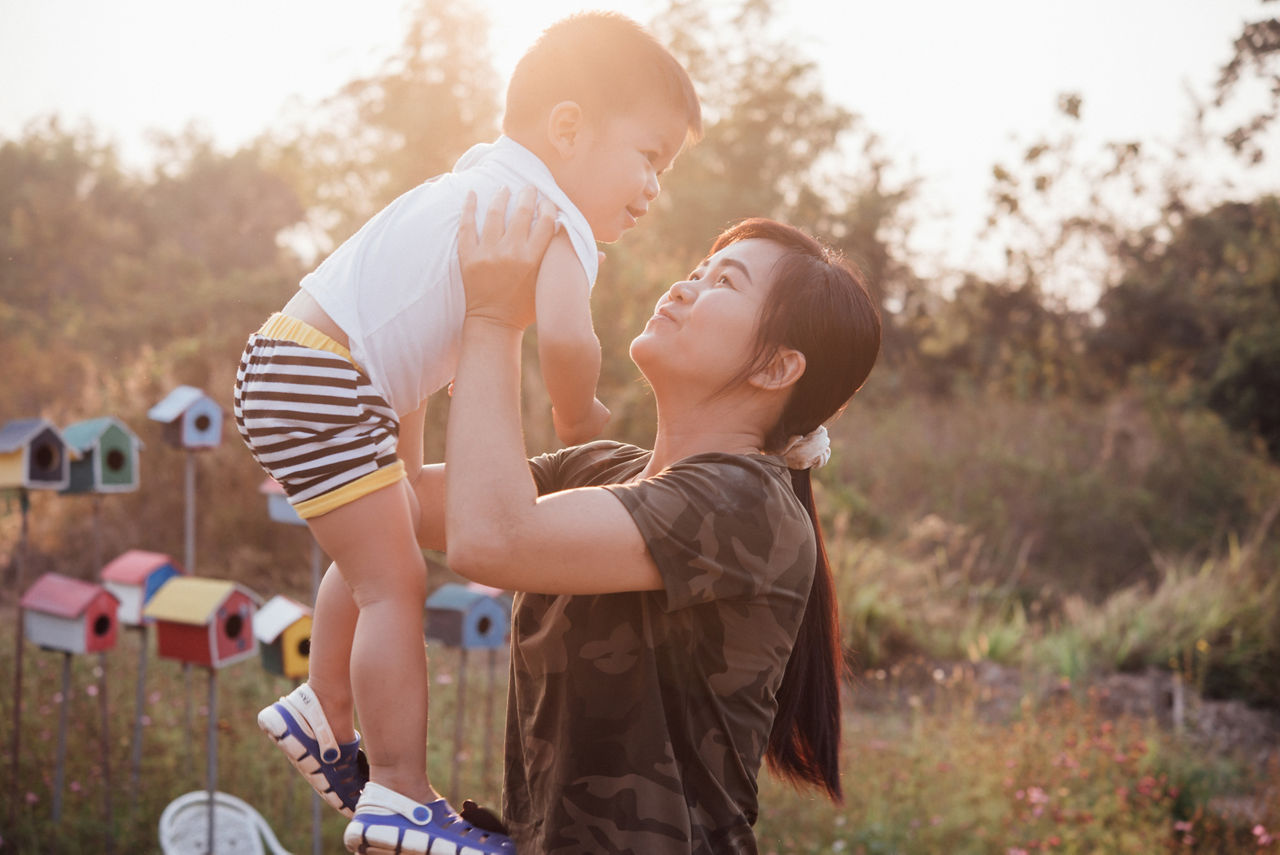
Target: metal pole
pixel 459 720
pixel 317 558
pixel 190 514
pixel 60 766
pixel 316 842
pixel 24 504
pixel 140 703
pixel 488 716
pixel 108 815
pixel 212 764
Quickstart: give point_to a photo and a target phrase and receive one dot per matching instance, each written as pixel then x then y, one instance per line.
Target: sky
pixel 950 87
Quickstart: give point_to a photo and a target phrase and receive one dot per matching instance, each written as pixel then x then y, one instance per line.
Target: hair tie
pixel 806 452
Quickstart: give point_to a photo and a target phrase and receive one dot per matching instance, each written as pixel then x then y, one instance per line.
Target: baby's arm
pixel 568 349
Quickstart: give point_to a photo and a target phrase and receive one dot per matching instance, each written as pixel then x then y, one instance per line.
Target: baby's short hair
pixel 604 61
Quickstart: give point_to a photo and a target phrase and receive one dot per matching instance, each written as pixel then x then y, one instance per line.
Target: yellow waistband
pixel 285 328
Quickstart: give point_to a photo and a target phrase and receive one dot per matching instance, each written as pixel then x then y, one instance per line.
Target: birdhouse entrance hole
pixel 234 626
pixel 483 625
pixel 202 422
pixel 115 460
pixel 102 625
pixel 45 457
pixel 304 647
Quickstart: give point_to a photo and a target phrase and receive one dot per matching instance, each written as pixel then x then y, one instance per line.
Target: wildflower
pixel 32 798
pixel 1264 838
pixel 74 786
pixel 1014 850
pixel 91 690
pixel 153 698
pixel 146 721
pixel 1202 646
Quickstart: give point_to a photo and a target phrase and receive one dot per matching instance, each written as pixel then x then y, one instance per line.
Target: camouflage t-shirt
pixel 637 722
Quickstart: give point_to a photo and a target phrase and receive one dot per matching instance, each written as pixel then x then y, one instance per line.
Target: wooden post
pixel 189 527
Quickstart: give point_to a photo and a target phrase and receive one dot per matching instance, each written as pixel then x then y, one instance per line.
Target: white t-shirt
pixel 395 288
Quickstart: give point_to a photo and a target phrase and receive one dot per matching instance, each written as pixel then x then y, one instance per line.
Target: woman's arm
pixel 499 531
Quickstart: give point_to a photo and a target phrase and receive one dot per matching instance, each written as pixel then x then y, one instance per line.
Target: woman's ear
pixel 564 124
pixel 783 369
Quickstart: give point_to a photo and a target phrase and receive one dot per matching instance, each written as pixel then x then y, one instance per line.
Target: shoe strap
pixel 380 799
pixel 304 702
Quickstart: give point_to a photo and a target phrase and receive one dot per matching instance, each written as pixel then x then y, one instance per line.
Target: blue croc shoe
pixel 387 823
pixel 338 772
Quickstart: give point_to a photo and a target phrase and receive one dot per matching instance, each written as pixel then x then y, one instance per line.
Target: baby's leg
pixel 371 540
pixel 332 633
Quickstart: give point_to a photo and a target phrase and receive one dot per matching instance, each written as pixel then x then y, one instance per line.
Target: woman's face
pixel 703 328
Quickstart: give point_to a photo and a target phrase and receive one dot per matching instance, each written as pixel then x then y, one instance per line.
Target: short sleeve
pixel 722 527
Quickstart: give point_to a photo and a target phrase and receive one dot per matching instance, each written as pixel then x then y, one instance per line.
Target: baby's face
pixel 614 173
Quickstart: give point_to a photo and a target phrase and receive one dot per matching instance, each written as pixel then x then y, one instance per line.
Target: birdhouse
pixel 33 454
pixel 203 621
pixel 134 577
pixel 107 453
pixel 191 419
pixel 278 507
pixel 283 630
pixel 61 613
pixel 460 617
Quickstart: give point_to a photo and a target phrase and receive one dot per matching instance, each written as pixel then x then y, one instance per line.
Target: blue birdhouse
pixel 459 616
pixel 34 455
pixel 134 577
pixel 191 419
pixel 107 456
pixel 278 507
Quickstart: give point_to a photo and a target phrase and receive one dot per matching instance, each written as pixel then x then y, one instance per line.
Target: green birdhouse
pixel 108 456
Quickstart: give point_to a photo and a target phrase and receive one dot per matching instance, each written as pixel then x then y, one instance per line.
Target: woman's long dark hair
pixel 819 305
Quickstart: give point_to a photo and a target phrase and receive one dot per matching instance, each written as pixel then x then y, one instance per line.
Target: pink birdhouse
pixel 203 621
pixel 61 613
pixel 134 577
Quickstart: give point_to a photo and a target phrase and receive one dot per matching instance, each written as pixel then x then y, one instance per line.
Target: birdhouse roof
pixel 176 403
pixel 451 596
pixel 62 596
pixel 191 599
pixel 18 433
pixel 276 616
pixel 82 435
pixel 133 567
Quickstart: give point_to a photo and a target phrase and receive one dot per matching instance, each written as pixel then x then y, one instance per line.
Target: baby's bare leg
pixel 371 540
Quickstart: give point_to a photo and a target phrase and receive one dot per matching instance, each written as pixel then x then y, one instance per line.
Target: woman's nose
pixel 682 291
pixel 652 188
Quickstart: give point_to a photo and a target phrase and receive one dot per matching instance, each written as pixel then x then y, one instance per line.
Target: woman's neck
pixel 684 431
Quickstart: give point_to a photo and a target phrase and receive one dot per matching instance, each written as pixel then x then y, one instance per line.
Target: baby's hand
pixel 585 429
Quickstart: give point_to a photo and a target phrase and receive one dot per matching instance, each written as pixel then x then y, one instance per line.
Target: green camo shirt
pixel 637 722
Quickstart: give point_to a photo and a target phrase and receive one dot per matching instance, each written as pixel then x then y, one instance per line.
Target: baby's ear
pixel 564 123
pixel 783 369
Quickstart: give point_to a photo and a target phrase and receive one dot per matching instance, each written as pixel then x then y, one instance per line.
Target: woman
pixel 678 625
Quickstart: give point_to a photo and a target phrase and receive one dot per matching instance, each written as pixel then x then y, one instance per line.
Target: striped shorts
pixel 312 418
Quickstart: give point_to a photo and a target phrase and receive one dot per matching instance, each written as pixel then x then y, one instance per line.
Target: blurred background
pixel 1062 475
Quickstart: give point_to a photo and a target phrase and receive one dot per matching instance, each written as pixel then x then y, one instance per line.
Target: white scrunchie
pixel 806 452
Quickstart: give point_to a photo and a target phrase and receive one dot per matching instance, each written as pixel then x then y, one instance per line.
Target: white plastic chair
pixel 238 829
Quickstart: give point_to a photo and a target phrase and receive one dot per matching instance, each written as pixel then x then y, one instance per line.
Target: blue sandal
pixel 387 823
pixel 338 772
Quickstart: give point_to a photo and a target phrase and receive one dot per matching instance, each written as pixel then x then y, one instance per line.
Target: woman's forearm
pixel 489 487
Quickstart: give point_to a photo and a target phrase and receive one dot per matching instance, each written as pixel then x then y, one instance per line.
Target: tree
pixel 1203 311
pixel 383 134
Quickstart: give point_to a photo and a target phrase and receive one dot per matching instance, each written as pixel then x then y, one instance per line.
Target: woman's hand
pixel 500 265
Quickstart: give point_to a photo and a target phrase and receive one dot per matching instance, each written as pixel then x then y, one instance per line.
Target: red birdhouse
pixel 61 613
pixel 203 621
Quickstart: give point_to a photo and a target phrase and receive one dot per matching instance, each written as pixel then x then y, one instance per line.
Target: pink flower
pixel 91 690
pixel 1264 838
pixel 32 798
pixel 75 786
